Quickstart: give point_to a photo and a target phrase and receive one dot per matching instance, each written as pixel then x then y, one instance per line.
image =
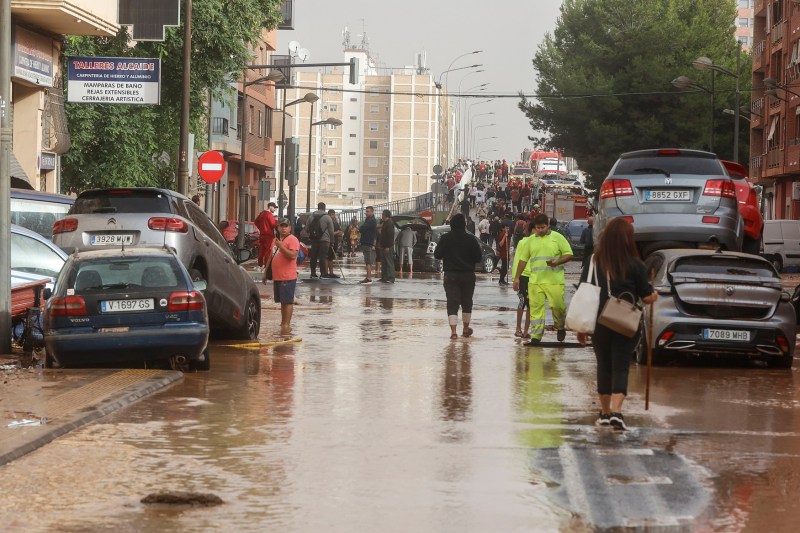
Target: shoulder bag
pixel 620 315
pixel 582 313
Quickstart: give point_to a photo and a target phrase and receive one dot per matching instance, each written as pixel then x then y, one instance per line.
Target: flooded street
pixel 377 421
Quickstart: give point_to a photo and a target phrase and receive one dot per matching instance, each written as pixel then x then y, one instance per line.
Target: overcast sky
pixel 508 32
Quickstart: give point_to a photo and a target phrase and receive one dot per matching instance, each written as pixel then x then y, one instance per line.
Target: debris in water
pixel 176 497
pixel 28 422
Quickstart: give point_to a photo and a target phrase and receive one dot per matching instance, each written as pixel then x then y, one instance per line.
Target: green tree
pixel 604 79
pixel 135 145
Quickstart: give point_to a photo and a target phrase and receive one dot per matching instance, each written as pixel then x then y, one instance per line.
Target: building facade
pixel 226 130
pixel 775 117
pixel 744 23
pixel 387 145
pixel 39 132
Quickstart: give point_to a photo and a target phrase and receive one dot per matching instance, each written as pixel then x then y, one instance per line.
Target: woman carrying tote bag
pixel 617 260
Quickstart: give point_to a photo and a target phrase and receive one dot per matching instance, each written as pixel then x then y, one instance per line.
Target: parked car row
pixel 149 276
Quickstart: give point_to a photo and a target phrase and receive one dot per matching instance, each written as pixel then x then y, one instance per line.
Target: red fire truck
pixel 564 200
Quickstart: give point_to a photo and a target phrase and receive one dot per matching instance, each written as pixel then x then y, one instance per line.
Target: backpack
pixel 314 228
pixel 519 228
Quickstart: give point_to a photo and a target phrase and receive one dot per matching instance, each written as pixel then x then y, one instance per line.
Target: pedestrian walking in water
pixel 283 258
pixel 386 240
pixel 617 260
pixel 368 230
pixel 459 252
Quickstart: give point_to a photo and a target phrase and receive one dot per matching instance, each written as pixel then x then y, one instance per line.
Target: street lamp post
pixel 469 118
pixel 479 126
pixel 484 151
pixel 332 121
pixel 310 98
pixel 469 139
pixel 704 63
pixel 273 76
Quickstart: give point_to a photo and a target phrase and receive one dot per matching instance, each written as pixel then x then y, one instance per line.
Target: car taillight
pixel 665 337
pixel 68 306
pixel 627 219
pixel 668 151
pixel 612 188
pixel 723 188
pixel 783 344
pixel 186 301
pixel 168 224
pixel 710 220
pixel 65 225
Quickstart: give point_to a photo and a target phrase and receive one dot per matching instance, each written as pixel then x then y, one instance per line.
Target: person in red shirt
pixel 265 223
pixel 283 258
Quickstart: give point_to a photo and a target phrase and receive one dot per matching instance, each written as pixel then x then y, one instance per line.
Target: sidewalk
pixel 39 405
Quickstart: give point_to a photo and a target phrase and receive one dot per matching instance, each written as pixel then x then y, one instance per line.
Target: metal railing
pixel 219 126
pixel 407 206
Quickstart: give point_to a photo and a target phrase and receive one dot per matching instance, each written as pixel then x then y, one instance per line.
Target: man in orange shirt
pixel 265 223
pixel 283 257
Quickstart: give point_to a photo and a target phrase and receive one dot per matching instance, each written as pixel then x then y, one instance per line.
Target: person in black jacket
pixel 459 251
pixel 386 241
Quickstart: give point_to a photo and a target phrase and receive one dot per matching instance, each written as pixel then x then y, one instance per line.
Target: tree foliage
pixel 129 145
pixel 604 79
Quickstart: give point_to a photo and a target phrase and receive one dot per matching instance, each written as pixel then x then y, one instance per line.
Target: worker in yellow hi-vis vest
pixel 542 258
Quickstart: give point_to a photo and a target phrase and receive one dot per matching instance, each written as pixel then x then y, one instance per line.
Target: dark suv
pixel 156 218
pixel 674 198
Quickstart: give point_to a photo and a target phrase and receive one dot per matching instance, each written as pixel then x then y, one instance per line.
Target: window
pixel 268 123
pixel 353 117
pixel 386 126
pixel 373 145
pixel 373 126
pixel 250 120
pixel 333 108
pixel 386 144
pixel 354 99
pixel 352 135
pixel 372 180
pixel 744 23
pixel 744 4
pixel 331 162
pixel 386 162
pixel 373 108
pixel 352 153
pixel 352 171
pixel 260 123
pixel 330 126
pixel 30 255
pixel 331 143
pixel 372 162
pixel 331 180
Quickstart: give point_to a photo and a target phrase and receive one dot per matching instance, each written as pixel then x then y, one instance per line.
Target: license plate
pixel 739 335
pixel 120 329
pixel 668 195
pixel 121 306
pixel 115 239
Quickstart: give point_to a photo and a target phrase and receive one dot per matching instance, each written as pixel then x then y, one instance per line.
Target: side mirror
pixel 48 292
pixel 200 284
pixel 244 255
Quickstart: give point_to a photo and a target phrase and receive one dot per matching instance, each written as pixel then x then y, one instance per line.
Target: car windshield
pixel 668 164
pixel 124 272
pixel 409 221
pixel 521 170
pixel 121 201
pixel 732 266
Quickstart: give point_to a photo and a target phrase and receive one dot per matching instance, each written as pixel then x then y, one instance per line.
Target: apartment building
pixel 744 23
pixel 39 132
pixel 775 118
pixel 227 129
pixel 387 144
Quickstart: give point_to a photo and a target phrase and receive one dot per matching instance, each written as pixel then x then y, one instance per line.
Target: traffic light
pixel 292 160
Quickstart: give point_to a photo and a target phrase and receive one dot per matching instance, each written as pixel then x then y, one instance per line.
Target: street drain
pixel 172 497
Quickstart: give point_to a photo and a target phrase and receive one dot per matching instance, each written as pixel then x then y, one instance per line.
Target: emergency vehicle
pixel 563 200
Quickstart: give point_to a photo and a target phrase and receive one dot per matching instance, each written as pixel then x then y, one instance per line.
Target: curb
pixel 113 403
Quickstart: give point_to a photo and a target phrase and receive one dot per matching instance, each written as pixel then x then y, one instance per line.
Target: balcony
pixel 773 158
pixel 759 7
pixel 219 126
pixel 77 17
pixel 757 113
pixel 776 35
pixel 759 55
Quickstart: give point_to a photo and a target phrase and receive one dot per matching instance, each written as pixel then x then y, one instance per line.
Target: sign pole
pixel 5 176
pixel 182 175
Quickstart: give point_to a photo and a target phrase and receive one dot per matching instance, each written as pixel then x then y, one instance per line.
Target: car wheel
pixel 204 365
pixel 49 361
pixel 640 350
pixel 252 320
pixel 777 262
pixel 783 361
pixel 488 264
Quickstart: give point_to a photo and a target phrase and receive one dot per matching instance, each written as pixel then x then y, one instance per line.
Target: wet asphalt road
pixel 377 421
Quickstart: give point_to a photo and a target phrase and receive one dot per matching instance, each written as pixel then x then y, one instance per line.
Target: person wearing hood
pixel 459 252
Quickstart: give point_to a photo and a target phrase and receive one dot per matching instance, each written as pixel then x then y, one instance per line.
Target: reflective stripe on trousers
pixel 554 294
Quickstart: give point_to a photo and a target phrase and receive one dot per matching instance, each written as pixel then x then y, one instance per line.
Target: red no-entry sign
pixel 211 166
